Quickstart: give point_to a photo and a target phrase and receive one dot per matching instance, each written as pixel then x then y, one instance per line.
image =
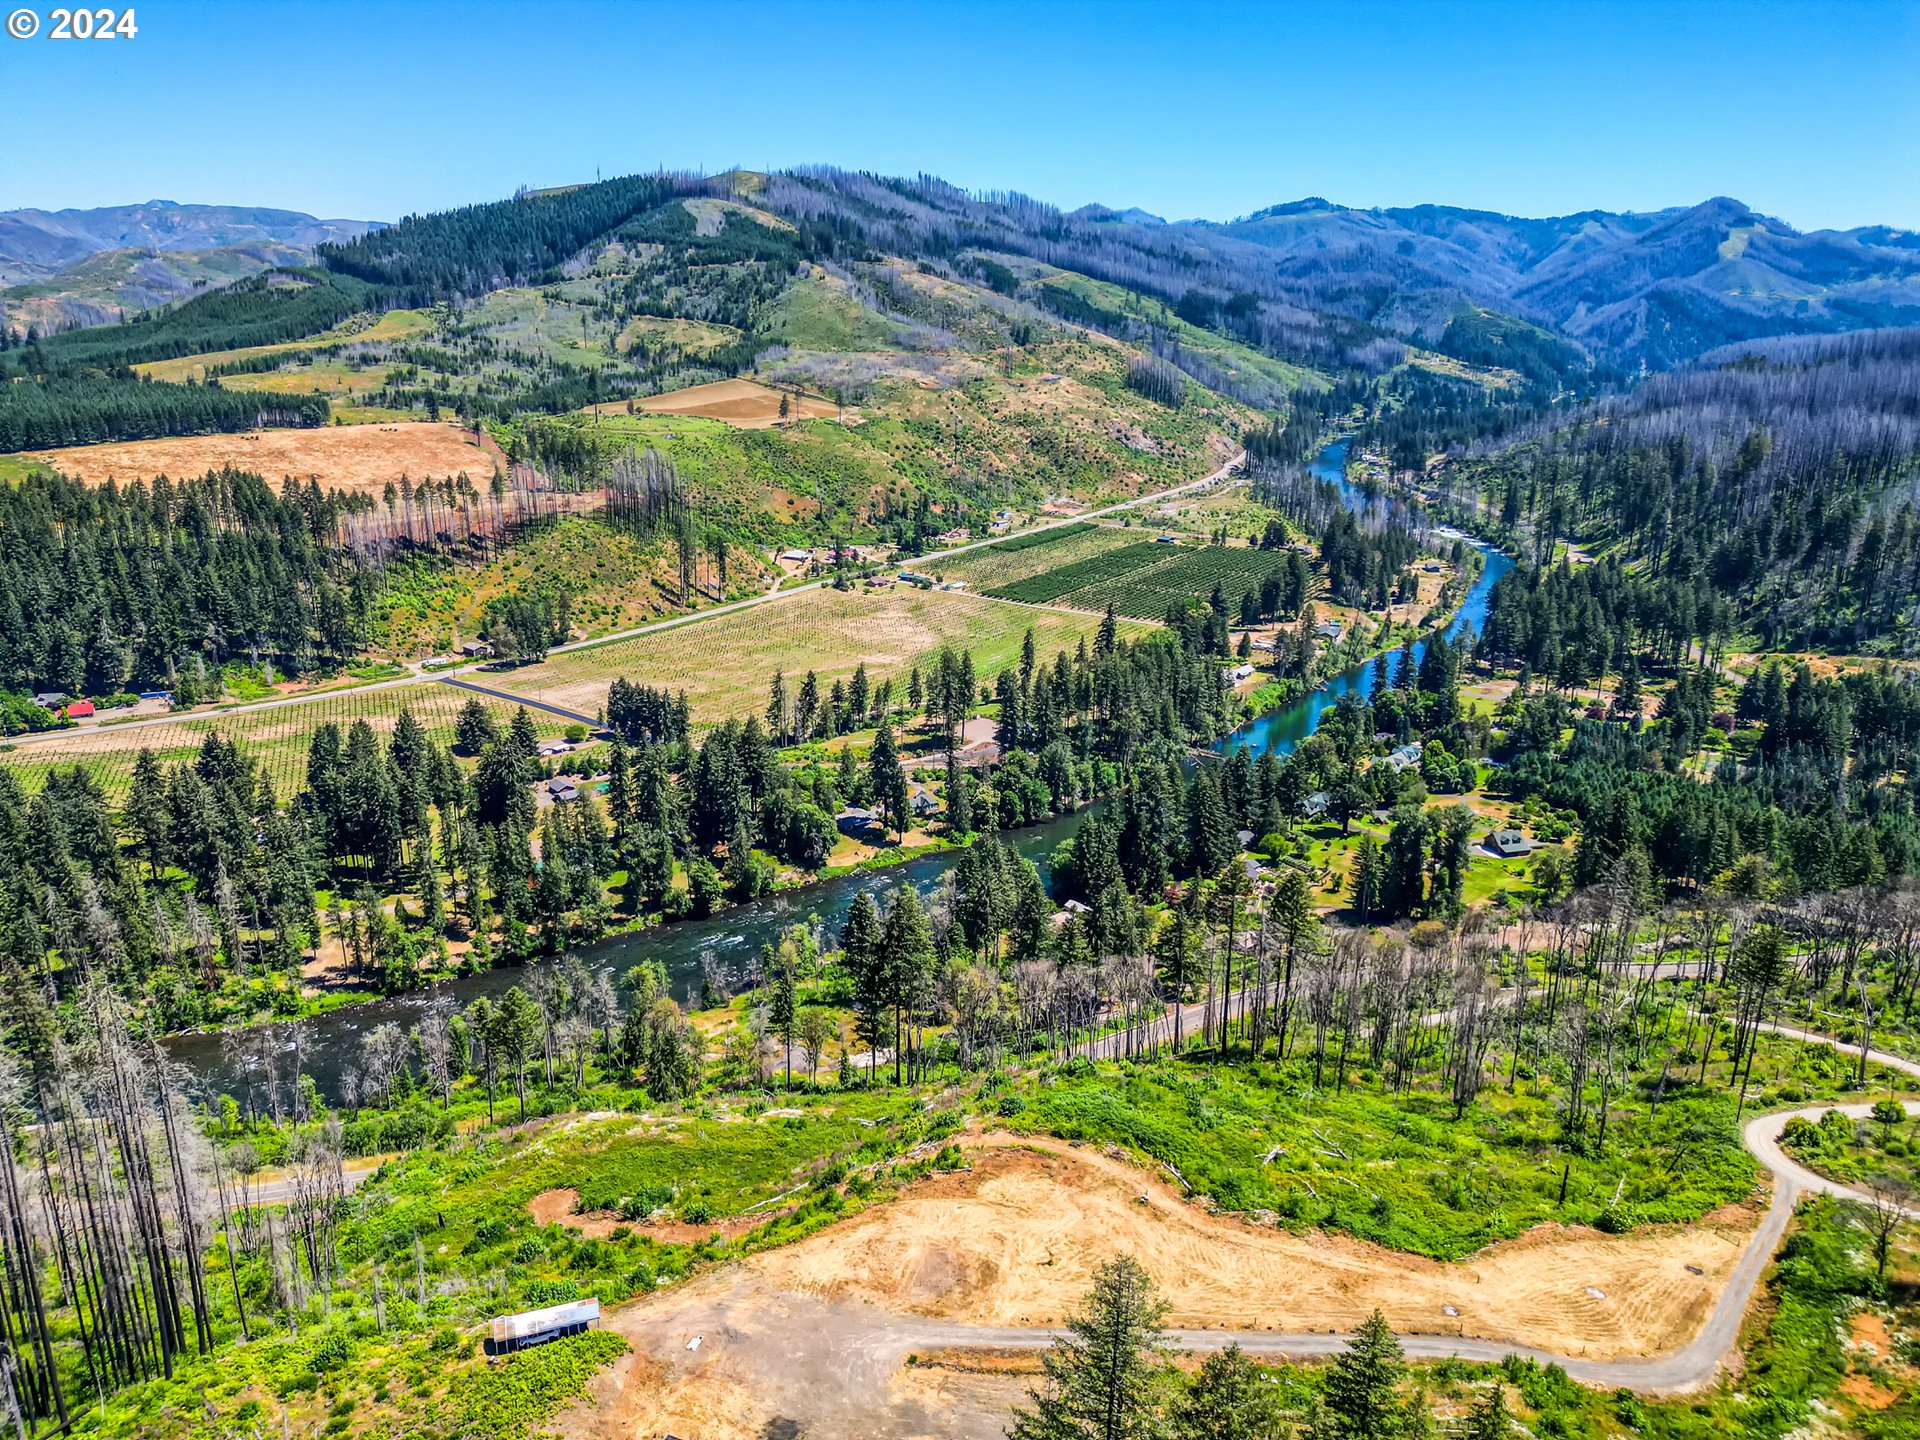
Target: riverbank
pixel 735 936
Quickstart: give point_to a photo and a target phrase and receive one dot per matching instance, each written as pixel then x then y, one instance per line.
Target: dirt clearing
pixel 741 403
pixel 1015 1242
pixel 362 458
pixel 815 1339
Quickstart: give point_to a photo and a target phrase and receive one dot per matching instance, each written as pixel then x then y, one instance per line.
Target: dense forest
pixel 113 588
pixel 45 413
pixel 1774 479
pixel 482 247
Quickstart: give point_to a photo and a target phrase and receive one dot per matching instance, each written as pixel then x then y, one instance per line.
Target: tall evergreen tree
pixel 1107 1377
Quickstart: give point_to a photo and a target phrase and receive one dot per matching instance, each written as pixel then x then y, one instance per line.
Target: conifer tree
pixel 1360 1384
pixel 1227 1399
pixel 1106 1378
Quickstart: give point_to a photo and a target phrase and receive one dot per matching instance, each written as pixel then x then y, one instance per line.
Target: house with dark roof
pixel 1507 843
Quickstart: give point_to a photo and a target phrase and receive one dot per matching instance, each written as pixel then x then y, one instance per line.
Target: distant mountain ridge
pixel 35 244
pixel 1660 286
pixel 67 268
pixel 1316 281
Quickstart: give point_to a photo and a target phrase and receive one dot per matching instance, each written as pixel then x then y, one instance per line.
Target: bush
pixel 330 1352
pixel 541 1293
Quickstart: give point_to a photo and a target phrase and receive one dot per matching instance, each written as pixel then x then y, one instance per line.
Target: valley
pixel 897 811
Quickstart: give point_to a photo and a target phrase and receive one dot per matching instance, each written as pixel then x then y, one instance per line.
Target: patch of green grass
pixel 507 1401
pixel 1011 562
pixel 1400 1171
pixel 728 1162
pixel 15 468
pixel 816 314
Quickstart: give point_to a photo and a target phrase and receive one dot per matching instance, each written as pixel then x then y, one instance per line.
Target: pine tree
pixel 784 1008
pixel 888 779
pixel 1366 878
pixel 777 706
pixel 906 945
pixel 1227 1399
pixel 513 1028
pixel 146 813
pixel 1359 1387
pixel 959 800
pixel 1210 838
pixel 861 954
pixel 1106 1377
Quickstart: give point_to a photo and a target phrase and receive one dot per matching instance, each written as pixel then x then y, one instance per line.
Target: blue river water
pixel 735 937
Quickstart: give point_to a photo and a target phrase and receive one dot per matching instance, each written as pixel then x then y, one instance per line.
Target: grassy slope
pixel 616 581
pixel 1229 355
pixel 393 326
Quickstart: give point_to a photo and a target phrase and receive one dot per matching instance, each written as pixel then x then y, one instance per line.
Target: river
pixel 738 934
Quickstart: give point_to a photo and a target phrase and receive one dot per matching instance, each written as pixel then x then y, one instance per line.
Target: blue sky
pixel 1807 111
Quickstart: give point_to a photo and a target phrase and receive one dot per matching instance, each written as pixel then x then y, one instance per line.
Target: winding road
pixel 1688 1368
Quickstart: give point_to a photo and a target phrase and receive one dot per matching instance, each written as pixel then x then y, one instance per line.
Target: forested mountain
pixel 1317 282
pixel 1773 480
pixel 1658 287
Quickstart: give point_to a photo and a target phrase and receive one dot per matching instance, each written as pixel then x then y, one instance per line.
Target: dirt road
pixel 816 1339
pixel 416 674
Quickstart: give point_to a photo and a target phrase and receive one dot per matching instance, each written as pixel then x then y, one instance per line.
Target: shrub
pixel 331 1351
pixel 539 1293
pixel 508 1400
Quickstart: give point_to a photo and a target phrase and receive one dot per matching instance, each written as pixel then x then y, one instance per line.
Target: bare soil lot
pixel 817 1336
pixel 744 404
pixel 362 458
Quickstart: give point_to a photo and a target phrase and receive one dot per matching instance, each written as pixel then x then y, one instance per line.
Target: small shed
pixel 477 650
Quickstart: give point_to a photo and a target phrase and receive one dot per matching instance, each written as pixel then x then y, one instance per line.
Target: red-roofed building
pixel 78 709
